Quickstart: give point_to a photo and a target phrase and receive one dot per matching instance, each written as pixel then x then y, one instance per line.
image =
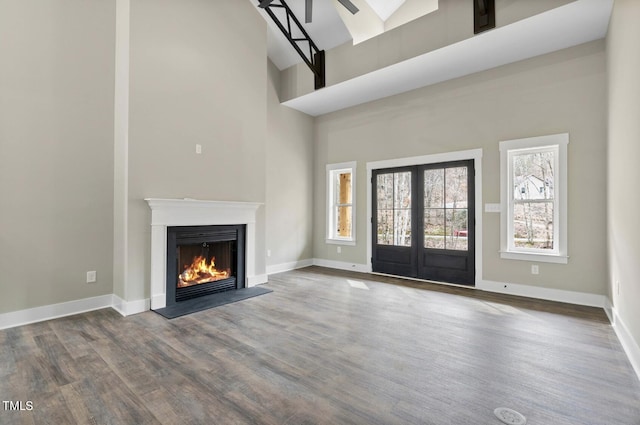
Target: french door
pixel 424 222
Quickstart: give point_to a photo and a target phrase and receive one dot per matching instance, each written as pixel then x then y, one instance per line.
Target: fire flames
pixel 201 271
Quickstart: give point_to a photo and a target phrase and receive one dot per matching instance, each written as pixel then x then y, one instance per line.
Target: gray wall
pixel 623 173
pixel 559 92
pixel 451 23
pixel 198 76
pixel 56 145
pixel 289 179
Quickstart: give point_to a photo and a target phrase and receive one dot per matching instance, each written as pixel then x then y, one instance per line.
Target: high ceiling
pixel 575 23
pixel 333 25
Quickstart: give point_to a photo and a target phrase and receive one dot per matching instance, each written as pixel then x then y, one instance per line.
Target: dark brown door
pixel 424 222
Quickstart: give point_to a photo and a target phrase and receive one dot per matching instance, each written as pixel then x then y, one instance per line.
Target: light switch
pixel 198 149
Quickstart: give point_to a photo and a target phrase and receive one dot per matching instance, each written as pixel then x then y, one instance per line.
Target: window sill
pixel 542 258
pixel 349 242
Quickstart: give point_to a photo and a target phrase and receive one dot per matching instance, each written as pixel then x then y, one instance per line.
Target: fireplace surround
pixel 169 213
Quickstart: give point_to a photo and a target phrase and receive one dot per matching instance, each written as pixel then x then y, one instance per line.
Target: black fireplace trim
pixel 183 235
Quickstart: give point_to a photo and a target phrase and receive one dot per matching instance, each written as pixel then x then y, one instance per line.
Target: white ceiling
pixel 327 30
pixel 575 23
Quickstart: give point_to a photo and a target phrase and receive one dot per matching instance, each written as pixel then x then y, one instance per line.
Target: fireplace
pixel 183 213
pixel 203 260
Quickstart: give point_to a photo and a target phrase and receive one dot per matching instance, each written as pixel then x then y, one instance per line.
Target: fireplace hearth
pixel 204 260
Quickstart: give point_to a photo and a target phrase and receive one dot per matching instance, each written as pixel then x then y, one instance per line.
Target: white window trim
pixel 333 169
pixel 507 251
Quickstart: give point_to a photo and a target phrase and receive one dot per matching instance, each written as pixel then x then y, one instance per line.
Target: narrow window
pixel 341 203
pixel 533 178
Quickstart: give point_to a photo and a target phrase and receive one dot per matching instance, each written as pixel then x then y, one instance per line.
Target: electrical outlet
pixel 339 250
pixel 91 276
pixel 535 269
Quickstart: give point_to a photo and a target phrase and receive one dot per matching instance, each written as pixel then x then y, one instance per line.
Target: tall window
pixel 341 203
pixel 534 197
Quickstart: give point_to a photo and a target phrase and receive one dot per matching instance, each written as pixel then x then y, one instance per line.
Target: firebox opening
pixel 205 262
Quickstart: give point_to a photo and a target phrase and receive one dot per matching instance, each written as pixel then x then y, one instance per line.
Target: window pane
pixel 385 227
pixel 456 187
pixel 434 228
pixel 457 229
pixel 344 222
pixel 533 225
pixel 533 175
pixel 434 188
pixel 344 188
pixel 402 227
pixel 402 190
pixel 384 190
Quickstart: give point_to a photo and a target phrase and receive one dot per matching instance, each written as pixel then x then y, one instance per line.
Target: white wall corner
pixel 127 308
pixel 257 280
pixel 549 294
pixel 629 345
pixel 608 309
pixel 292 265
pixel 340 265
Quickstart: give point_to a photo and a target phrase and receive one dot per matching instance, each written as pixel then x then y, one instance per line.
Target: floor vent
pixel 509 416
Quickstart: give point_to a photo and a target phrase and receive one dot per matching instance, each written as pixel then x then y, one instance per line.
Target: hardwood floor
pixel 324 349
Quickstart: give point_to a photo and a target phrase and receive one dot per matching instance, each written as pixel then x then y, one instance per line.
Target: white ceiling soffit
pixel 575 23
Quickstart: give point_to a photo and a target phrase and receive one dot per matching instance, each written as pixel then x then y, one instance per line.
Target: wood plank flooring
pixel 324 349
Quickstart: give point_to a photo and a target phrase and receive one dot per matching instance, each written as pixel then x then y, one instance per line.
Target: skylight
pixel 377 16
pixel 385 8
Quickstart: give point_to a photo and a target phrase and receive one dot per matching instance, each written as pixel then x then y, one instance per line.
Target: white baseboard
pixel 629 345
pixel 257 280
pixel 341 265
pixel 127 308
pixel 285 267
pixel 549 294
pixel 54 311
pixel 570 297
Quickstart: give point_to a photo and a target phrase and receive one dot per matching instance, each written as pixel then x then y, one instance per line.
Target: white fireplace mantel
pixel 195 212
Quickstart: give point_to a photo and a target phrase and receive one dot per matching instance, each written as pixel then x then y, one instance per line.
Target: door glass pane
pixel 402 190
pixel 434 228
pixel 457 229
pixel 456 187
pixel 385 227
pixel 533 225
pixel 402 227
pixel 402 207
pixel 384 188
pixel 434 188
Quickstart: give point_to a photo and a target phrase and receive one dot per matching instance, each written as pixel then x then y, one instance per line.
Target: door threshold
pixel 415 279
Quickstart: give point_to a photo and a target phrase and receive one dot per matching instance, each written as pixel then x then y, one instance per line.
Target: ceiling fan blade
pixel 265 3
pixel 308 11
pixel 350 6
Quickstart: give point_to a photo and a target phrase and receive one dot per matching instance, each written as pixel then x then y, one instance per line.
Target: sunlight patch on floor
pixel 357 284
